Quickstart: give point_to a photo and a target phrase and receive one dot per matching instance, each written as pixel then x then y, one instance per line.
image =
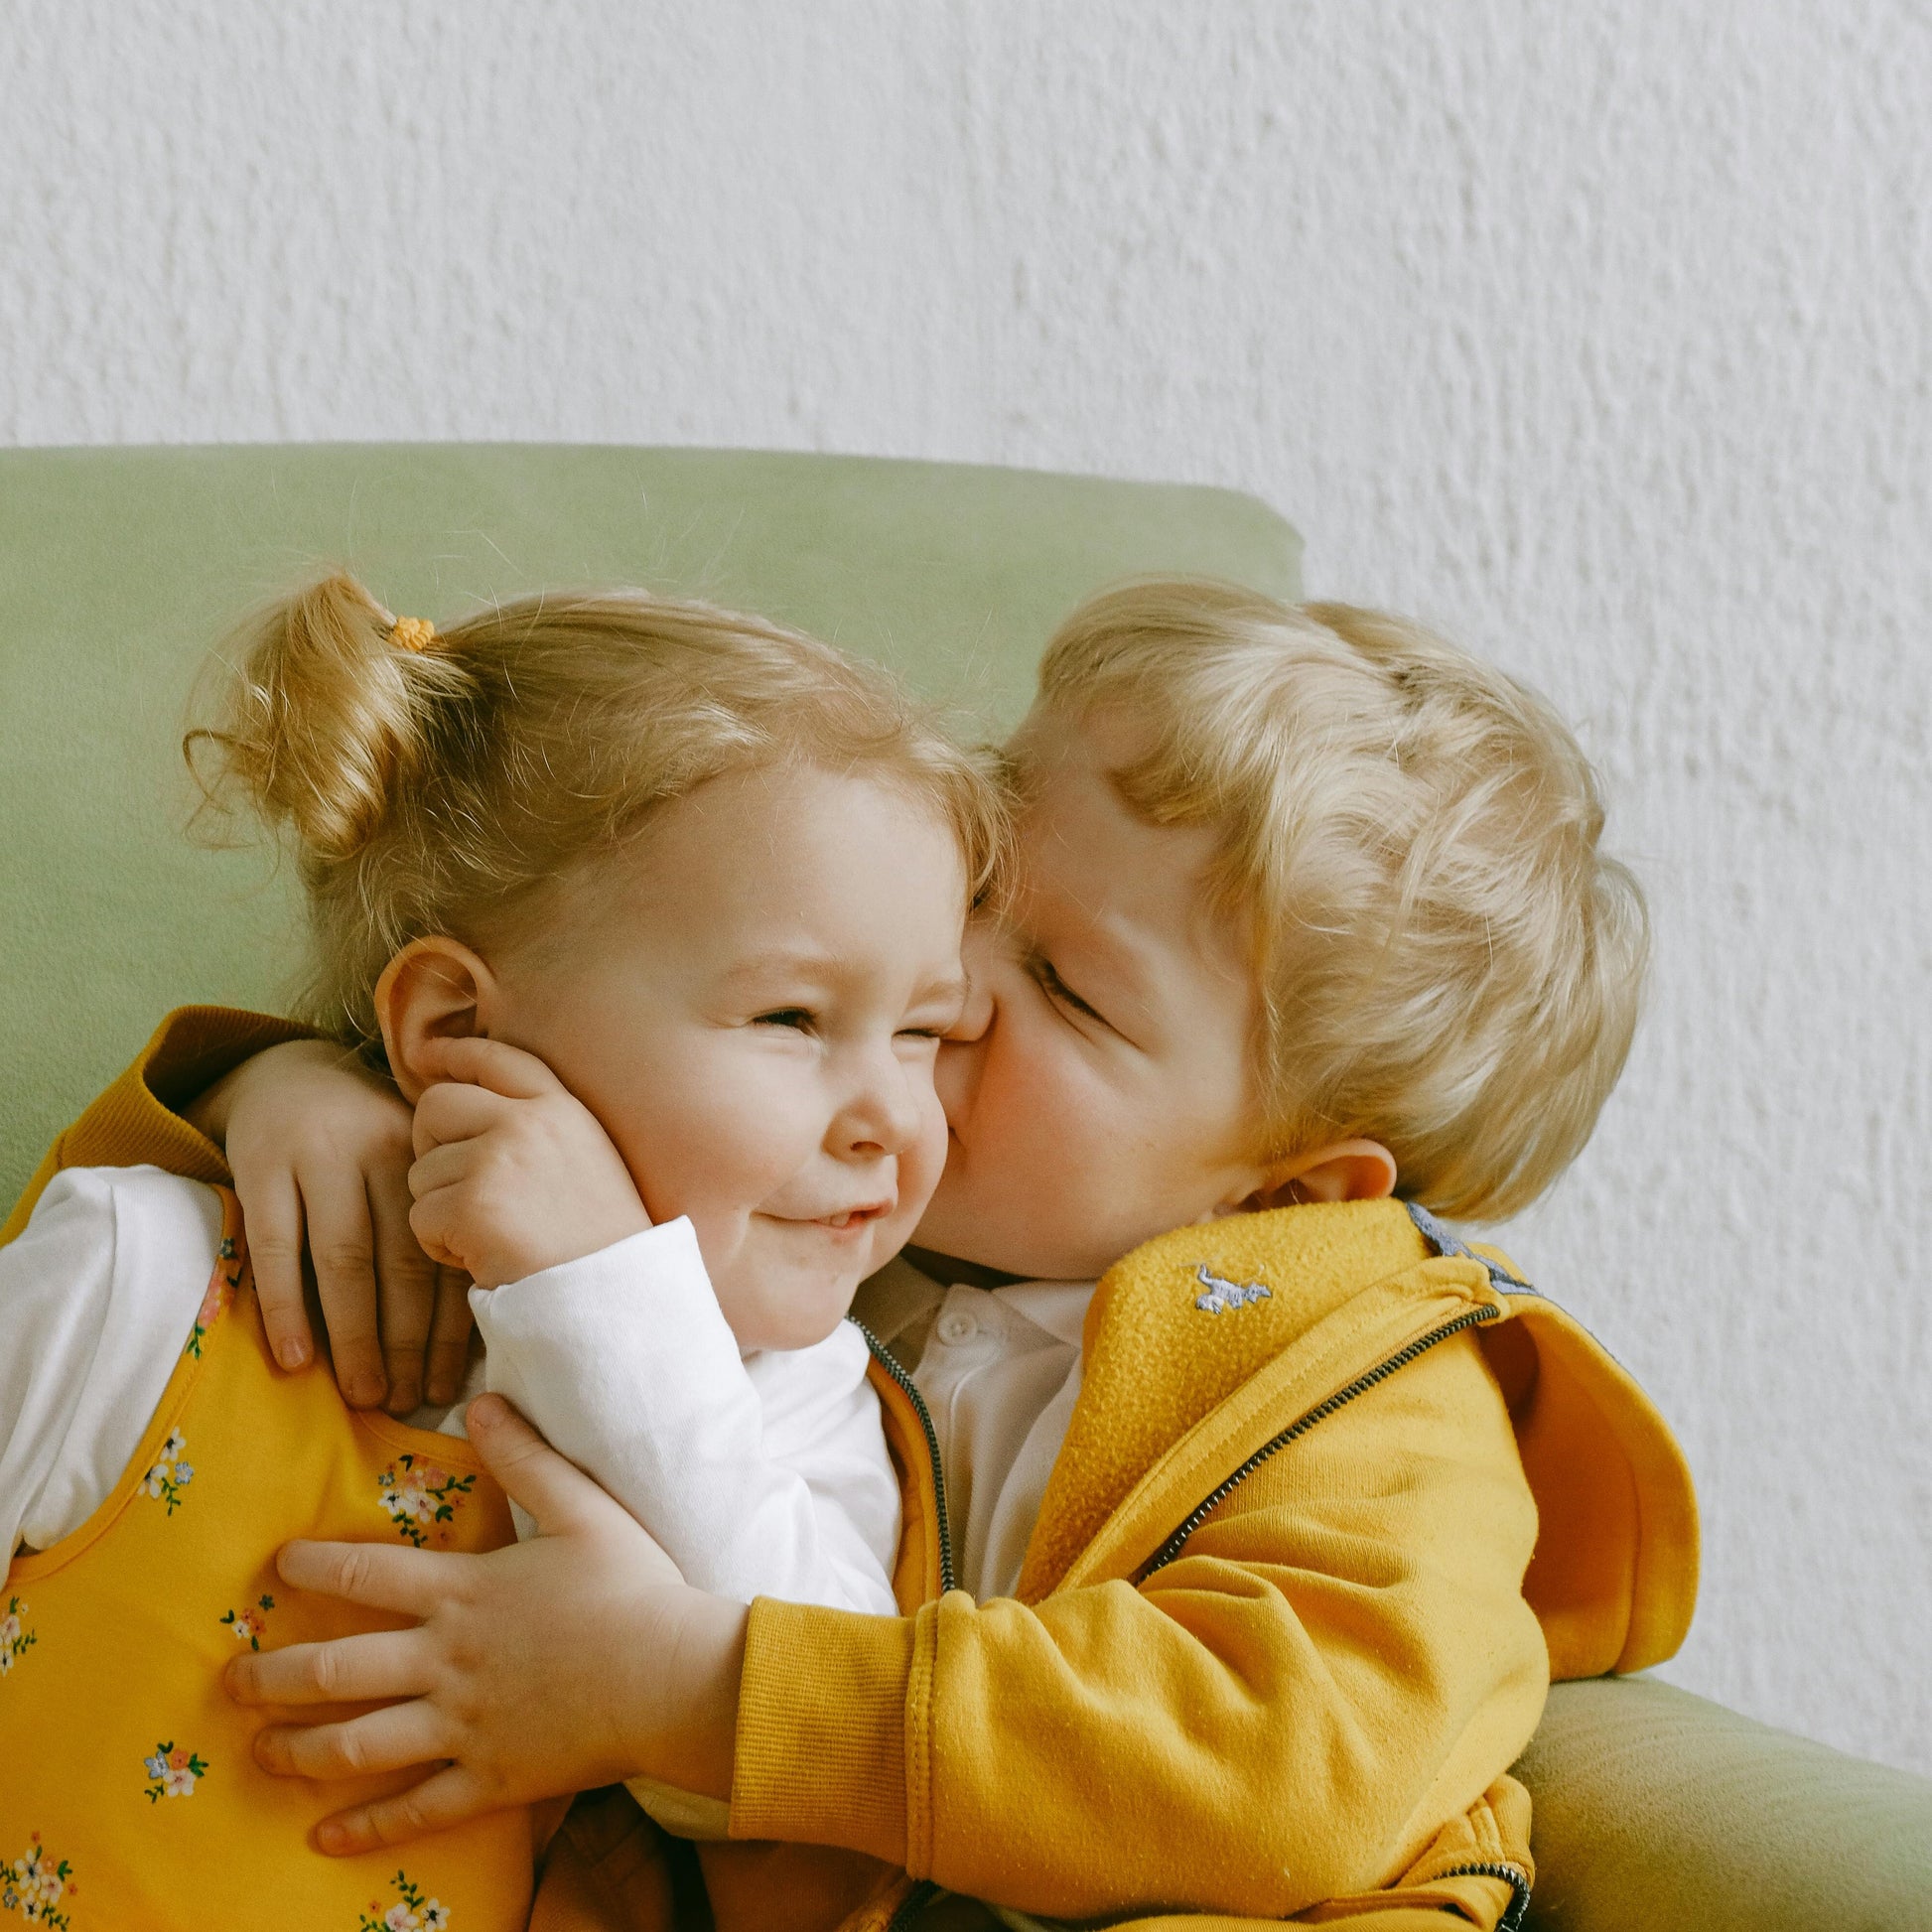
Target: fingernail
pixel 291 1353
pixel 332 1836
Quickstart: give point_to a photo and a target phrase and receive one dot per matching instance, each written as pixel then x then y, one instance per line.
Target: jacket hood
pixel 1614 1578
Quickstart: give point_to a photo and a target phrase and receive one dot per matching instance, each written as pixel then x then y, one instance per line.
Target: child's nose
pixel 881 1117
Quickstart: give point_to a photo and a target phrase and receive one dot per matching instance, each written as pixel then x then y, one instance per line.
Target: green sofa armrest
pixel 1656 1809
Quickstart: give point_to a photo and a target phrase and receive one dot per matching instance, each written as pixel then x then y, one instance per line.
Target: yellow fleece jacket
pixel 1284 1621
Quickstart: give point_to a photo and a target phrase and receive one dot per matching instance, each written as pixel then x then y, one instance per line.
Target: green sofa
pixel 119 567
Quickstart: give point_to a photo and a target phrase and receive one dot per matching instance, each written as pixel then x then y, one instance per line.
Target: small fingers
pixel 405 1289
pixel 449 1337
pixel 349 1670
pixel 437 1225
pixel 490 1063
pixel 382 1575
pixel 342 1249
pixel 450 1111
pixel 552 1488
pixel 379 1741
pixel 445 1798
pixel 442 1167
pixel 271 1208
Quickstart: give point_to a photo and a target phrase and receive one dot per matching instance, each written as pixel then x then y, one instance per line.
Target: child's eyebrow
pixel 788 962
pixel 1107 947
pixel 792 965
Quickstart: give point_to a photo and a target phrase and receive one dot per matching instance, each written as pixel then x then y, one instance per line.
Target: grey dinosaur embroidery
pixel 1223 1294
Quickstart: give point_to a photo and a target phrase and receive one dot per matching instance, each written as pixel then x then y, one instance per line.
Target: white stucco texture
pixel 1596 332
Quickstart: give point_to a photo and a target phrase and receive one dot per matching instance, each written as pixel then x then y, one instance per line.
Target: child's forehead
pixel 1068 775
pixel 1086 856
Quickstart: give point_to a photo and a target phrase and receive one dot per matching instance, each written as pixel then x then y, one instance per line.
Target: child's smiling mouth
pixel 854 1217
pixel 843 1220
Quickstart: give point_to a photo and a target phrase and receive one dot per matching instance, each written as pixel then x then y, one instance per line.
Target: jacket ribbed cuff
pixel 821 1728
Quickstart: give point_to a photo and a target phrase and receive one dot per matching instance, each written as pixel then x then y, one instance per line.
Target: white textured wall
pixel 1597 332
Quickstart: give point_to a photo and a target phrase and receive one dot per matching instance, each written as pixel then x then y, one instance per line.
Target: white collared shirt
pixel 999 1372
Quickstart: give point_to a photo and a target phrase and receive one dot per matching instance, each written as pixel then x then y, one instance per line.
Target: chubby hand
pixel 548 1667
pixel 319 1146
pixel 513 1172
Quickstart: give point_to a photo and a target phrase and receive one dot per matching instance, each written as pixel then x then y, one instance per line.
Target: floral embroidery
pixel 33 1885
pixel 170 1474
pixel 417 1495
pixel 249 1624
pixel 14 1637
pixel 173 1771
pixel 220 1292
pixel 411 1912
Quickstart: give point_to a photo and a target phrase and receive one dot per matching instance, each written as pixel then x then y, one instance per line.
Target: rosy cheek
pixel 922 1162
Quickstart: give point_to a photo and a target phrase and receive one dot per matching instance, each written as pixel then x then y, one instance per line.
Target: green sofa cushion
pixel 119 568
pixel 1654 1809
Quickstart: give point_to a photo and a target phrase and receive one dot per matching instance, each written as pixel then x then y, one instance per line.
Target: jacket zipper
pixel 921 1895
pixel 1519 1889
pixel 1320 1413
pixel 886 1361
pixel 917 1900
pixel 924 1890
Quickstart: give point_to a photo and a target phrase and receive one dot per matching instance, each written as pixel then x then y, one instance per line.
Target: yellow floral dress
pixel 129 1795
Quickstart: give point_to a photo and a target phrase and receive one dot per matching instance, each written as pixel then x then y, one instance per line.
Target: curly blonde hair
pixel 1447 961
pixel 446 782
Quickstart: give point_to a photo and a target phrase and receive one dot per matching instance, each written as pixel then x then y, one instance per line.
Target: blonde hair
pixel 1447 962
pixel 441 781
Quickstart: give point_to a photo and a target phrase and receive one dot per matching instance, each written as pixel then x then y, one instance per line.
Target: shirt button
pixel 955 1326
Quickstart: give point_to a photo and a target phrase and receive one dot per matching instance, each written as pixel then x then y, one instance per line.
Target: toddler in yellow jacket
pixel 1312 912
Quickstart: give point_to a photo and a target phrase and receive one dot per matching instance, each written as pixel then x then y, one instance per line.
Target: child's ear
pixel 1341 1170
pixel 434 989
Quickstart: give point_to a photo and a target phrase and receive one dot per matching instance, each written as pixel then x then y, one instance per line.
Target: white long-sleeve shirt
pixel 764 1474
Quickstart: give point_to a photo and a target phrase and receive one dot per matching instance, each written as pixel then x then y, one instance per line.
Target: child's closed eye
pixel 797 1019
pixel 1058 990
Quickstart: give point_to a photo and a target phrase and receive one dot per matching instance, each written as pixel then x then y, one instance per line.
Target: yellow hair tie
pixel 412 634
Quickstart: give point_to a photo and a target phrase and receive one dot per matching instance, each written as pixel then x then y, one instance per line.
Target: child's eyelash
pixel 798 1016
pixel 1057 987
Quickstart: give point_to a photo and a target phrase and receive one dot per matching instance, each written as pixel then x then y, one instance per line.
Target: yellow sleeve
pixel 1339 1661
pixel 136 1121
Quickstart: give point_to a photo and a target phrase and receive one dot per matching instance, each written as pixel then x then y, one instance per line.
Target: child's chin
pixel 809 1311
